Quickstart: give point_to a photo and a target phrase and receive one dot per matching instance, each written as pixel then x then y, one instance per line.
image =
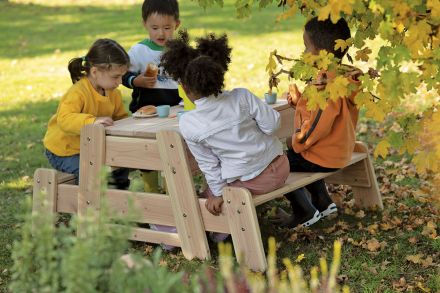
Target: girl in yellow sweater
pixel 93 98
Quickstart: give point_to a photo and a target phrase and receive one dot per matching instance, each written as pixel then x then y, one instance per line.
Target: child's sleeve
pixel 70 119
pixel 119 112
pixel 133 71
pixel 268 119
pixel 209 164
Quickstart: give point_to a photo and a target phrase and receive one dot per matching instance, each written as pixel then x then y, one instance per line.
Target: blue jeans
pixel 70 164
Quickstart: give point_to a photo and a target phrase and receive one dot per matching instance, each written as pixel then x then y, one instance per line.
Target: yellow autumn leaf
pixel 430 230
pixel 334 8
pixel 426 160
pixel 271 65
pixel 424 289
pixel 401 9
pixel 417 37
pixel 434 5
pixel 382 149
pixel 324 59
pixel 363 54
pixel 342 44
pixel 299 258
pixel 374 111
pixel 315 98
pixel 338 87
pixel 289 13
pixel 309 58
pixel 416 258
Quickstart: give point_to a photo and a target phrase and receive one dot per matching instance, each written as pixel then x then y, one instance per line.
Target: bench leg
pixel 45 191
pixel 244 227
pixel 367 197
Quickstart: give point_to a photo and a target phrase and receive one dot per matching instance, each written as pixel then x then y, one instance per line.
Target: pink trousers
pixel 272 178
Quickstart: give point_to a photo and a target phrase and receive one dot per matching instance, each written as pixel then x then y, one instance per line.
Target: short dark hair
pixel 164 7
pixel 104 53
pixel 324 34
pixel 201 69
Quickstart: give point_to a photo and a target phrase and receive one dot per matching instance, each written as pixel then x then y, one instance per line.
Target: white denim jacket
pixel 231 136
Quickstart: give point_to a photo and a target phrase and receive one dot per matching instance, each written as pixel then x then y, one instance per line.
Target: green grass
pixel 39 39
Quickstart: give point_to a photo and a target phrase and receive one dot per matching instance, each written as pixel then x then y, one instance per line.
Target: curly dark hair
pixel 200 69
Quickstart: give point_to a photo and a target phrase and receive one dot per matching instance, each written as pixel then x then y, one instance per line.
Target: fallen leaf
pixel 430 230
pixel 416 258
pixel 427 262
pixel 360 214
pixel 413 240
pixel 373 245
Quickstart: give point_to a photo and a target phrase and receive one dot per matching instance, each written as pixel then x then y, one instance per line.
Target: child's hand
pixel 293 95
pixel 144 81
pixel 304 128
pixel 106 121
pixel 214 204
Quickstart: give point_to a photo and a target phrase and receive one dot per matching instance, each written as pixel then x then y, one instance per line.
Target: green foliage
pixel 407 64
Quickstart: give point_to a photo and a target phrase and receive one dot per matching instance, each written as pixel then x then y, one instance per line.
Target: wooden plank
pixel 245 230
pixel 286 129
pixel 45 190
pixel 367 197
pixel 92 158
pixel 148 235
pixel 184 200
pixel 353 175
pixel 131 152
pixel 155 209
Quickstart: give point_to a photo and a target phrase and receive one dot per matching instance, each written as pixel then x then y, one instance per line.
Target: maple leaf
pixel 324 60
pixel 417 258
pixel 334 8
pixel 427 160
pixel 363 54
pixel 342 44
pixel 337 88
pixel 382 149
pixel 373 245
pixel 430 230
pixel 299 258
pixel 434 6
pixel 315 98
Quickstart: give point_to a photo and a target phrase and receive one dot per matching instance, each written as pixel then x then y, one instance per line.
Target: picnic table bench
pixel 155 144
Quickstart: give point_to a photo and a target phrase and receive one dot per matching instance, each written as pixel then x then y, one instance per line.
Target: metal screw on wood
pixel 243 203
pixel 228 201
pixel 88 202
pixel 243 229
pixel 184 215
pixel 171 146
pixel 38 180
pixel 238 212
pixel 91 163
pixel 173 170
pixel 88 138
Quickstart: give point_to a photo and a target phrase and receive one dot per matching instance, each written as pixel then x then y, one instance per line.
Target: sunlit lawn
pixel 38 40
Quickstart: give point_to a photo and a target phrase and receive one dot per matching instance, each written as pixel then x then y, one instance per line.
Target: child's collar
pixel 152 45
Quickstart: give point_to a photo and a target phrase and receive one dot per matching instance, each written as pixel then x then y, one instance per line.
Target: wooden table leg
pixel 184 201
pixel 92 158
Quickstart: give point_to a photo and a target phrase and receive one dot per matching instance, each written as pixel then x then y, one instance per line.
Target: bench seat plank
pixel 300 179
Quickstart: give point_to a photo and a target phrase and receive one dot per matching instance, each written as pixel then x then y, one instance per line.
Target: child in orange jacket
pixel 324 139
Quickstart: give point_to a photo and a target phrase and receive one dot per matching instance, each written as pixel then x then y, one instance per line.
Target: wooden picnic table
pixel 154 144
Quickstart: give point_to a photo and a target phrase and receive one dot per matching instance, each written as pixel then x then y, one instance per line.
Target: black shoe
pixel 321 199
pixel 284 219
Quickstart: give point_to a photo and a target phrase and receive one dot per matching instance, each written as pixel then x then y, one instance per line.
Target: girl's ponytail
pixel 76 69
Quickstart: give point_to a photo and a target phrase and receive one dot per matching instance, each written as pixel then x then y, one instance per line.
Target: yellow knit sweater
pixel 78 107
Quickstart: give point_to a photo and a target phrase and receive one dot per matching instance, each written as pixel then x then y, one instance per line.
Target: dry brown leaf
pixel 372 229
pixel 413 240
pixel 430 230
pixel 386 226
pixel 416 258
pixel 373 245
pixel 421 287
pixel 427 262
pixel 360 214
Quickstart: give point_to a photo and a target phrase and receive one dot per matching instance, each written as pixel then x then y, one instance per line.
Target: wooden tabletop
pixel 148 127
